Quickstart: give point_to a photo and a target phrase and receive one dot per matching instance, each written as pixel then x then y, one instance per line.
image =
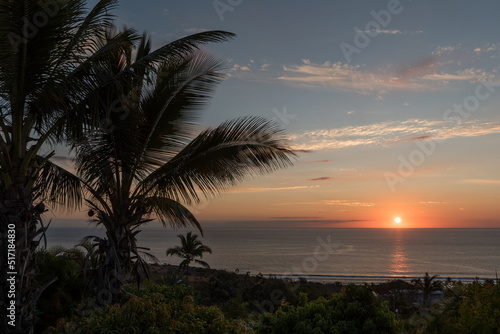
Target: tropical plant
pixel 190 249
pixel 61 298
pixel 428 285
pixel 354 310
pixel 144 163
pixel 158 309
pixel 47 51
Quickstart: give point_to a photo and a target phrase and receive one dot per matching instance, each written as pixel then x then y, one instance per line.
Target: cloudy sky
pixel 394 107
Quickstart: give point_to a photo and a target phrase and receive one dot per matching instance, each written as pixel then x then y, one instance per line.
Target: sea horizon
pixel 328 255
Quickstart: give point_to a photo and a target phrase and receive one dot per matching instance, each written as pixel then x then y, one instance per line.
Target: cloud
pixel 482 181
pixel 194 30
pixel 431 203
pixel 389 132
pixel 393 32
pixel 293 218
pixel 334 202
pixel 347 203
pixel 256 190
pixel 264 67
pixel 489 47
pixel 315 162
pixel 445 50
pixel 302 151
pixel 422 76
pixel 323 178
pixel 237 67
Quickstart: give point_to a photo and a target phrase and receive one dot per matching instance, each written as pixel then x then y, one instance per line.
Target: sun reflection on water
pixel 399 265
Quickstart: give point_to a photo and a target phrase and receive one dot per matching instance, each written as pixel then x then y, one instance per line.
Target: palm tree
pixel 428 285
pixel 190 249
pixel 145 163
pixel 47 51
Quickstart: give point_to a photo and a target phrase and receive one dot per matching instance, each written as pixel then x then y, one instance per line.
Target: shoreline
pixel 323 279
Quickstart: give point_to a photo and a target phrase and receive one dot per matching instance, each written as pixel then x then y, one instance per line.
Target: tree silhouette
pixel 427 286
pixel 149 161
pixel 46 83
pixel 190 249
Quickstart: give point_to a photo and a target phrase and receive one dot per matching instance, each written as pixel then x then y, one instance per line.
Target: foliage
pixel 190 249
pixel 354 310
pixel 473 308
pixel 62 296
pixel 149 160
pixel 259 294
pixel 428 285
pixel 47 49
pixel 158 310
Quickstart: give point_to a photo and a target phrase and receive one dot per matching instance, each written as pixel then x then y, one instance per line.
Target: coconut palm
pixel 428 285
pixel 191 248
pixel 151 161
pixel 46 52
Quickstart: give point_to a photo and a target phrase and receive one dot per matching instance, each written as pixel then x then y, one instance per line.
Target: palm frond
pixel 182 47
pixel 219 158
pixel 182 88
pixel 202 263
pixel 58 186
pixel 171 212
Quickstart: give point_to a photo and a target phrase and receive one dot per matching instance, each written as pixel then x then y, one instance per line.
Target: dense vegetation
pixel 225 302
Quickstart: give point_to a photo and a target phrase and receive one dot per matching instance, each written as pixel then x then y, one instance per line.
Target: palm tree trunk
pixel 111 271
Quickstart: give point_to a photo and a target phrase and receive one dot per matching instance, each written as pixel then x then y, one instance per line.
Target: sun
pixel 397 220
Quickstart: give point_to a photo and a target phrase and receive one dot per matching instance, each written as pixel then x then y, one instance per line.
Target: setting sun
pixel 397 220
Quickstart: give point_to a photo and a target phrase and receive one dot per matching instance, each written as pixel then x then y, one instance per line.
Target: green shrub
pixel 354 310
pixel 60 298
pixel 155 309
pixel 473 308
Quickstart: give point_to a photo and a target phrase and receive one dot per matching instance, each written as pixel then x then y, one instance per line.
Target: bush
pixel 354 310
pixel 155 309
pixel 61 297
pixel 474 308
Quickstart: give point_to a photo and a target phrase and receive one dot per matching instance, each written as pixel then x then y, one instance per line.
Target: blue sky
pixel 421 87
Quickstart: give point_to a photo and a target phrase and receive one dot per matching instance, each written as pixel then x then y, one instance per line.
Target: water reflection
pixel 399 261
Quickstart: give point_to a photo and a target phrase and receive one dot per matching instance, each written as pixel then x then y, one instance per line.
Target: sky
pixel 392 106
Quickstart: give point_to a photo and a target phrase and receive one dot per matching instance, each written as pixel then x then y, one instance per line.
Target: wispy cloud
pixel 445 49
pixel 315 162
pixel 394 32
pixel 390 132
pixel 347 203
pixel 322 178
pixel 334 202
pixel 489 47
pixel 237 67
pixel 194 30
pixel 482 181
pixel 263 189
pixel 421 76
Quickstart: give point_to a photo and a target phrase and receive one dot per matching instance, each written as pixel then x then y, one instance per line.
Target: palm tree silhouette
pixel 427 286
pixel 149 160
pixel 45 79
pixel 190 249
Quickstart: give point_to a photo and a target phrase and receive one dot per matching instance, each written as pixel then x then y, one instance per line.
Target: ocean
pixel 329 255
